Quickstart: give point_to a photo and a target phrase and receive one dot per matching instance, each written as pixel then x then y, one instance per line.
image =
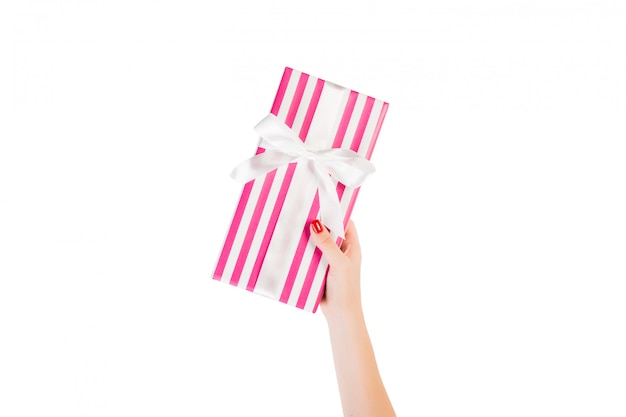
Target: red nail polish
pixel 317 226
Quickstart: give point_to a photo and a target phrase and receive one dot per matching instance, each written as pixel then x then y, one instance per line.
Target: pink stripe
pixel 321 291
pixel 297 260
pixel 343 126
pixel 310 275
pixel 368 155
pixel 304 237
pixel 304 131
pixel 358 137
pixel 297 98
pixel 254 223
pixel 379 124
pixel 356 142
pixel 360 129
pixel 230 238
pixel 269 232
pixel 280 94
pixel 247 189
pixel 340 189
pixel 265 190
pixel 280 200
pixel 351 205
pixel 345 119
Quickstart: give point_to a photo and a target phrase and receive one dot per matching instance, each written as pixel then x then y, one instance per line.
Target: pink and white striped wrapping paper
pixel 268 249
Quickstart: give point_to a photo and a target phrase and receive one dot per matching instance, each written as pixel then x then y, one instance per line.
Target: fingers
pixel 352 238
pixel 351 245
pixel 322 238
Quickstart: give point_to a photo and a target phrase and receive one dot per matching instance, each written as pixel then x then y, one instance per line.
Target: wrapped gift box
pixel 267 249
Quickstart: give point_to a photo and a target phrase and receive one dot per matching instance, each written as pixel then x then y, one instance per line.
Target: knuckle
pixel 327 240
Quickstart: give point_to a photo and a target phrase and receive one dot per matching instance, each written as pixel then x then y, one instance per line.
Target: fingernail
pixel 317 226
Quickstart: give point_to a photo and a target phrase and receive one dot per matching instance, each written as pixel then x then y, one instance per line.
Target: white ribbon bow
pixel 283 146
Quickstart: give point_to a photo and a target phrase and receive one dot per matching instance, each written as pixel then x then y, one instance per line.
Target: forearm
pixel 360 386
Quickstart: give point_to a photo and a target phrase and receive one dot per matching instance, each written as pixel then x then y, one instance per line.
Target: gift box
pixel 316 132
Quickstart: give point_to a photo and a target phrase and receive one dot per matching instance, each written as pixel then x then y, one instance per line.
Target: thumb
pixel 322 238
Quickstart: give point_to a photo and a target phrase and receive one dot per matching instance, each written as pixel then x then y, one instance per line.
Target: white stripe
pixel 345 200
pixel 304 105
pixel 354 121
pixel 300 197
pixel 368 136
pixel 275 188
pixel 317 284
pixel 363 147
pixel 241 232
pixel 310 248
pixel 288 97
pixel 270 281
pixel 327 116
pixel 262 227
pixel 287 233
pixel 254 193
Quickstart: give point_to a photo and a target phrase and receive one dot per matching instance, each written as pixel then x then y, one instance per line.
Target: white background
pixel 494 231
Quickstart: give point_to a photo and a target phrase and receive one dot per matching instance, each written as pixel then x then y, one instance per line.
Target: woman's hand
pixel 342 296
pixel 360 386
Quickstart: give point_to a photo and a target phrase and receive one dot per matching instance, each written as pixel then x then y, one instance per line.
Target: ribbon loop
pixel 283 146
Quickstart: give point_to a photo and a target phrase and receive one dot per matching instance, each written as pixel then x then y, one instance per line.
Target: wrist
pixel 345 316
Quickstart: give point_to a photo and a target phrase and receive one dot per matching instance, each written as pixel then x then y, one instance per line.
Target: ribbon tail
pixel 330 209
pixel 283 146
